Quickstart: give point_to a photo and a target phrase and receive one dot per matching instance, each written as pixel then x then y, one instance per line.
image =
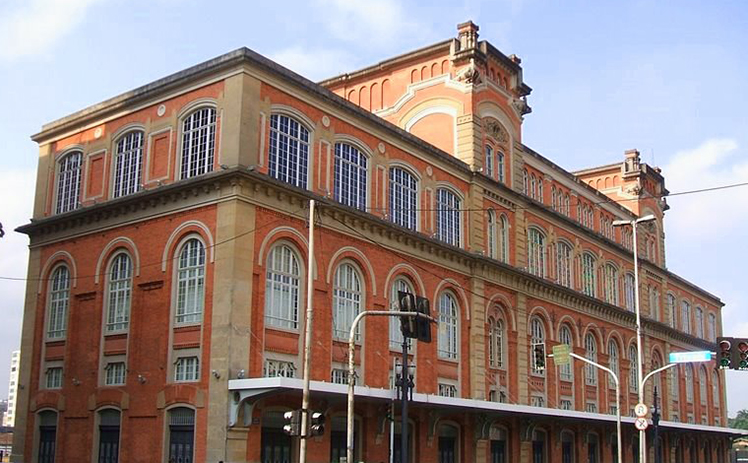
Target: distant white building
pixel 10 415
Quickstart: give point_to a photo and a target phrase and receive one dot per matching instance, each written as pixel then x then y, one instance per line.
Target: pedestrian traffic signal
pixel 293 423
pixel 724 352
pixel 316 424
pixel 538 356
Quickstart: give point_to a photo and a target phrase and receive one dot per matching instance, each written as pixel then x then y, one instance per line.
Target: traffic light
pixel 423 324
pixel 724 352
pixel 412 327
pixel 316 424
pixel 293 423
pixel 538 356
pixel 742 353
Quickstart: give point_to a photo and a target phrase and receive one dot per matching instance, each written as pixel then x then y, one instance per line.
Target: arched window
pixel 500 167
pixel 491 235
pixel 537 331
pixel 536 252
pixel 590 346
pixel 554 203
pixel 47 420
pixel 564 336
pixel 533 186
pixel 69 182
pixel 119 291
pixel 288 157
pixel 712 327
pixel 685 316
pixel 702 385
pixel 350 176
pixel 109 424
pixel 629 291
pixel 346 302
pixel 633 369
pixel 613 359
pixel 503 238
pixel 447 217
pixel 396 334
pixel 654 302
pixel 191 282
pixel 525 184
pixel 58 303
pixel 449 450
pixel 699 320
pixel 539 196
pixel 611 284
pixel 588 274
pixel 671 310
pixel 496 342
pixel 128 160
pixel 689 383
pixel 488 167
pixel 567 205
pixel 448 318
pixel 198 142
pixel 674 384
pixel 715 389
pixel 403 198
pixel 563 263
pixel 181 434
pixel 282 285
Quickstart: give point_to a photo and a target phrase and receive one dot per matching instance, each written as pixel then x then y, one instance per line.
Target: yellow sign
pixel 561 354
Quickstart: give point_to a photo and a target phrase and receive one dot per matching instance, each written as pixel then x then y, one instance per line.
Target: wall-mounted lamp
pixel 141 379
pixel 76 382
pixel 216 374
pixel 240 375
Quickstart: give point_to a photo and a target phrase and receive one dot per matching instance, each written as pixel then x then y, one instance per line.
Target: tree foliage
pixel 740 421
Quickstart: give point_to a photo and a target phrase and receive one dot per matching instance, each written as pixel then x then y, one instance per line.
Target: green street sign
pixel 561 354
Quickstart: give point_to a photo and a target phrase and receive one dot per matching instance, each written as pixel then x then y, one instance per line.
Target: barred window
pixel 563 263
pixel 448 323
pixel 396 334
pixel 288 157
pixel 59 300
pixel 127 163
pixel 191 282
pixel 611 284
pixel 565 370
pixel 537 332
pixel 633 370
pixel 488 167
pixel 119 293
pixel 590 346
pixel 350 176
pixel 629 289
pixel 282 285
pixel 588 274
pixel 115 374
pixel 198 142
pixel 54 378
pixel 69 182
pixel 278 368
pixel 536 252
pixel 347 301
pixel 447 217
pixel 187 369
pixel 447 390
pixel 403 198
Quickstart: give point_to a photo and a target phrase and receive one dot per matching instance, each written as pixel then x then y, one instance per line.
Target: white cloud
pixel 314 64
pixel 34 25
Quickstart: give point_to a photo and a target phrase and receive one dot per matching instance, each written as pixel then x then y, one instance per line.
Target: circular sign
pixel 641 410
pixel 641 424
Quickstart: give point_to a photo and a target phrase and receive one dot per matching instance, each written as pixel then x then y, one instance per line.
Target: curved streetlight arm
pixel 654 372
pixel 352 369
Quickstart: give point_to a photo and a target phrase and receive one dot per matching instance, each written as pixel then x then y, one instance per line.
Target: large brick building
pixel 165 305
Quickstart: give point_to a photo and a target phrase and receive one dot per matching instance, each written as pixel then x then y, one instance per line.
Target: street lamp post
pixel 640 363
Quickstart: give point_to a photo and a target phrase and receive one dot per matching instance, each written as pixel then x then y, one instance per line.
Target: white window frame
pixel 187 369
pixel 282 288
pixel 698 315
pixel 537 336
pixel 272 368
pixel 590 353
pixel 347 301
pixel 689 383
pixel 610 272
pixel 589 280
pixel 190 282
pixel 58 303
pixel 447 389
pixel 69 175
pixel 488 167
pixel 492 234
pixel 633 369
pixel 449 317
pixel 702 386
pixel 128 162
pixel 351 176
pixel 54 377
pixel 614 360
pixel 448 217
pixel 496 336
pixel 629 291
pixel 672 304
pixel 115 373
pixel 119 293
pixel 685 315
pixel 566 372
pixel 403 197
pixel 501 176
pixel 198 142
pixel 503 241
pixel 536 248
pixel 564 258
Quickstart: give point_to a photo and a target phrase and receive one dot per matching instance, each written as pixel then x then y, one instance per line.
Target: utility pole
pixel 307 337
pixel 656 427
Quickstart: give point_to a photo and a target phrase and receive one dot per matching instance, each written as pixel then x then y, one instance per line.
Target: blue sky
pixel 666 77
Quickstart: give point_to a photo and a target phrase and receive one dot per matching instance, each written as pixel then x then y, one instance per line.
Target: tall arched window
pixel 715 389
pixel 633 369
pixel 488 167
pixel 396 334
pixel 491 234
pixel 671 310
pixel 536 252
pixel 702 386
pixel 588 274
pixel 613 359
pixel 533 186
pixel 611 284
pixel 675 384
pixel 500 167
pixel 689 383
pixel 448 223
pixel 58 303
pixel 496 342
pixel 347 301
pixel 198 142
pixel 181 434
pixel 403 198
pixel 564 336
pixel 350 176
pixel 109 427
pixel 712 327
pixel 537 332
pixel 288 155
pixel 654 303
pixel 525 184
pixel 503 238
pixel 539 196
pixel 685 316
pixel 119 293
pixel 699 320
pixel 127 163
pixel 69 182
pixel 563 263
pixel 282 283
pixel 590 346
pixel 629 291
pixel 191 282
pixel 554 202
pixel 448 317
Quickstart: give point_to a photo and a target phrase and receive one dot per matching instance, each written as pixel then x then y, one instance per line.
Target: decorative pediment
pixel 495 130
